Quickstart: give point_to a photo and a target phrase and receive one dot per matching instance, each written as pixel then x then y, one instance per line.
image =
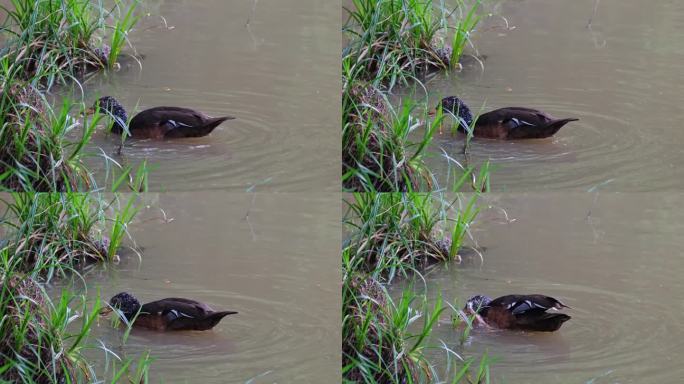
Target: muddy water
pixel 278 268
pixel 615 259
pixel 621 76
pixel 279 76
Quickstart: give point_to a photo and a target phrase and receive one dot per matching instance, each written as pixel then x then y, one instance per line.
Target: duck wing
pixel 523 123
pixel 185 314
pixel 520 305
pixel 175 122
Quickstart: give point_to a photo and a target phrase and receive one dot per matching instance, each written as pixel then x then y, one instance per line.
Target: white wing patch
pixel 180 314
pixel 177 124
pixel 521 122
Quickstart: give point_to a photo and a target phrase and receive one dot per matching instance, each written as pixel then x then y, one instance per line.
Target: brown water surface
pixel 272 258
pixel 621 75
pixel 616 259
pixel 279 76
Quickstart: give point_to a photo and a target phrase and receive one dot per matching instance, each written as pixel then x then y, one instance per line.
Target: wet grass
pixel 394 42
pixel 43 143
pixel 47 236
pixel 57 40
pixel 56 233
pixel 391 41
pixel 390 236
pixel 378 153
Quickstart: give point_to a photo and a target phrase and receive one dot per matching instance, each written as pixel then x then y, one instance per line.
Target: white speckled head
pixel 476 303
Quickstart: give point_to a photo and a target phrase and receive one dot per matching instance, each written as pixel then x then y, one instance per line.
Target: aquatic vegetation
pixel 377 153
pixel 39 147
pixel 391 42
pixel 35 153
pixel 394 235
pixel 47 236
pixel 52 234
pixel 58 40
pixel 40 343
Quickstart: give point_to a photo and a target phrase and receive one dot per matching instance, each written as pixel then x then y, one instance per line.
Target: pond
pixel 615 65
pixel 278 75
pixel 614 258
pixel 272 258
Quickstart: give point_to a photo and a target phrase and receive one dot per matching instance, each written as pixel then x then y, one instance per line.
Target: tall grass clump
pixel 378 153
pixel 54 234
pixel 58 40
pixel 393 235
pixel 42 145
pixel 392 42
pixel 35 151
pixel 43 337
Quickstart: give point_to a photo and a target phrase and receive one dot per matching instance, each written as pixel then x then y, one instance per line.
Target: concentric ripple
pixel 282 137
pixel 625 94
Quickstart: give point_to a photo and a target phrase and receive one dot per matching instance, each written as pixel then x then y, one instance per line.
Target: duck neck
pixel 120 118
pixel 132 312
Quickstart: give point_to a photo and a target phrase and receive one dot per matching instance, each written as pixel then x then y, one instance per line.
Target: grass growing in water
pixel 46 236
pixel 55 40
pixel 396 235
pixel 48 42
pixel 54 233
pixel 390 42
pixel 39 343
pixel 378 154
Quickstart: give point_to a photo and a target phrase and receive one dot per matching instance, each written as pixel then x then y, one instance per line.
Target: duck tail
pixel 211 124
pixel 197 131
pixel 550 322
pixel 220 315
pixel 556 125
pixel 216 317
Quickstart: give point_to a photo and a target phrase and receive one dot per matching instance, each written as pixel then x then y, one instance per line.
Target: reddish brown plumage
pixel 512 123
pixel 508 123
pixel 159 122
pixel 171 314
pixel 172 122
pixel 519 312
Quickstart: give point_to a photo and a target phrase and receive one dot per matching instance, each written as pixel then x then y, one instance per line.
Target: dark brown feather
pixel 173 122
pixel 178 314
pixel 517 123
pixel 525 312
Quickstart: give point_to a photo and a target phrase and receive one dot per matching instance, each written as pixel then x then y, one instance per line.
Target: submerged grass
pixel 46 236
pixel 393 235
pixel 392 42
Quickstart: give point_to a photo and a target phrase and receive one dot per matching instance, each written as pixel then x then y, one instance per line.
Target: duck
pixel 158 122
pixel 510 123
pixel 171 314
pixel 517 312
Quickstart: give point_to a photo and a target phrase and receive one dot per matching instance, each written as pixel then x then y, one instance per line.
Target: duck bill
pixel 105 311
pixel 88 112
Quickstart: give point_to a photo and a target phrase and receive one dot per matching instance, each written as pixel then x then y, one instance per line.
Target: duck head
pixel 456 107
pixel 113 108
pixel 476 304
pixel 126 303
